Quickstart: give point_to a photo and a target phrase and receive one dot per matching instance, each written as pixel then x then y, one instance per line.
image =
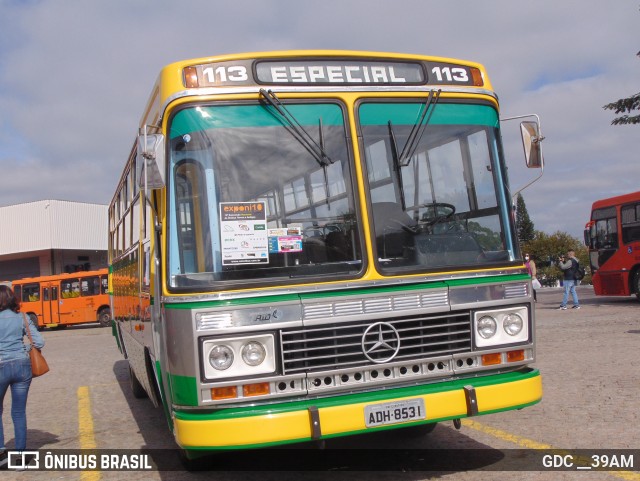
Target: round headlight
pixel 221 357
pixel 253 353
pixel 513 324
pixel 487 327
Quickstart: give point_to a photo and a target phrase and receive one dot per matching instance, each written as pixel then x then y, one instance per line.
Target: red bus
pixel 64 299
pixel 613 239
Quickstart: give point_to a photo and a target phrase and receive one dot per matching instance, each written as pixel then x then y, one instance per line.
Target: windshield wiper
pixel 396 164
pixel 409 149
pixel 403 159
pixel 297 130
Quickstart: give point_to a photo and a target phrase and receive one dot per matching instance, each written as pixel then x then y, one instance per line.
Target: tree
pixel 626 106
pixel 524 226
pixel 546 249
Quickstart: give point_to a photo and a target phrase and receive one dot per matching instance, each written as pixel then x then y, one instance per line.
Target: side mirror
pixel 531 140
pixel 150 161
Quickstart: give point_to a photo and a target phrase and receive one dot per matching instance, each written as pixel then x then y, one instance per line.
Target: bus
pixel 612 237
pixel 312 244
pixel 64 299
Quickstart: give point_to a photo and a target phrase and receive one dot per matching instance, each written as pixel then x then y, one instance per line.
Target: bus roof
pixel 71 275
pixel 617 200
pixel 316 69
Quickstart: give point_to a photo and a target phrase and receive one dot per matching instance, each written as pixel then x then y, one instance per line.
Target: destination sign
pixel 339 72
pixel 329 72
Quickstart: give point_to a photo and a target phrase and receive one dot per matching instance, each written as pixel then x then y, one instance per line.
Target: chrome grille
pixel 339 346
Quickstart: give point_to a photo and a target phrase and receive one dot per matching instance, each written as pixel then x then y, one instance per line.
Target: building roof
pixel 53 224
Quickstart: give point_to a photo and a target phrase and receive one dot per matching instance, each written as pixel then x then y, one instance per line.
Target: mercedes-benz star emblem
pixel 380 342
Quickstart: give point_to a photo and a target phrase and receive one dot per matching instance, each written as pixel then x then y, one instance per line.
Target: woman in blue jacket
pixel 15 365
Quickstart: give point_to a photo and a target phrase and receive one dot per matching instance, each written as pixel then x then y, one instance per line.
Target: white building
pixel 51 237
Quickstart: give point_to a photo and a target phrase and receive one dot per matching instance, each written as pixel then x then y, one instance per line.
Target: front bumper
pixel 300 421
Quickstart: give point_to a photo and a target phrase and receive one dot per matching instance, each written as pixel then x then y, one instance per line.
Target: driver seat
pixel 392 229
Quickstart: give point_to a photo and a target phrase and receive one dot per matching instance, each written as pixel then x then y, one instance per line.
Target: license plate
pixel 394 412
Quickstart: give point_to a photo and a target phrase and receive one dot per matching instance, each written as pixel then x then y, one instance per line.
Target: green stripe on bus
pixel 444 114
pixel 248 116
pixel 184 390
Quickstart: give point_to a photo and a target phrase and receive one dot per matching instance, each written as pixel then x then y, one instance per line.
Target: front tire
pixel 136 388
pixel 416 431
pixel 104 317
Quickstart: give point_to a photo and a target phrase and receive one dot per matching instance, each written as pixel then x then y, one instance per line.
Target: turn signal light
pixel 255 389
pixel 190 77
pixel 491 359
pixel 515 356
pixel 228 392
pixel 476 75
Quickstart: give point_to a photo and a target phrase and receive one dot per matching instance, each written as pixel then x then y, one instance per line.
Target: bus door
pixel 89 290
pixel 50 306
pixel 31 300
pixel 71 311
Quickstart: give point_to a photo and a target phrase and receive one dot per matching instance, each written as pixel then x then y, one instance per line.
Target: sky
pixel 75 76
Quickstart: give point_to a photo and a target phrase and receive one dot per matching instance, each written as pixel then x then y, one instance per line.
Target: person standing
pixel 569 266
pixel 531 267
pixel 15 366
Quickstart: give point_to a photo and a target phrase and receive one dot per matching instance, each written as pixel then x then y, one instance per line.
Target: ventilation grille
pixel 340 346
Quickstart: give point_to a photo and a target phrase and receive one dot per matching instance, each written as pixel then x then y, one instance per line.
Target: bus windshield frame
pixel 250 203
pixel 446 207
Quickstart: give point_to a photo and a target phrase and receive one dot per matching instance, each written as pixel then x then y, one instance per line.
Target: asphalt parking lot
pixel 588 359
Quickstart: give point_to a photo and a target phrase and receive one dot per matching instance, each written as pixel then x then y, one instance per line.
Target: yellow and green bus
pixel 312 244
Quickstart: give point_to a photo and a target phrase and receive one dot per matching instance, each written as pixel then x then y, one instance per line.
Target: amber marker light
pixel 190 77
pixel 515 356
pixel 476 75
pixel 227 392
pixel 259 389
pixel 491 359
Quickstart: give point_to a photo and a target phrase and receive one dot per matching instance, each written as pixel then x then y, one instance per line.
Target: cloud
pixel 75 75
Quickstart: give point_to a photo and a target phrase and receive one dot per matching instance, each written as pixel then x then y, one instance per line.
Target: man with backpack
pixel 572 270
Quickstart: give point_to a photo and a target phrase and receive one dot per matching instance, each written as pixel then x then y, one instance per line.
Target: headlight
pixel 501 327
pixel 221 357
pixel 253 353
pixel 238 356
pixel 487 327
pixel 512 324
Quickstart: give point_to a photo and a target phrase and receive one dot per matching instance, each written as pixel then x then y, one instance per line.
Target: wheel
pixel 194 461
pixel 34 319
pixel 636 284
pixel 416 431
pixel 104 317
pixel 438 211
pixel 136 388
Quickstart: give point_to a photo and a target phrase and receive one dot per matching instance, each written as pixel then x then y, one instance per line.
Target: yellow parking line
pixel 85 429
pixel 531 444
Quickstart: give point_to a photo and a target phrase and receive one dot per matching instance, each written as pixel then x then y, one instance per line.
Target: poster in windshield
pixel 244 233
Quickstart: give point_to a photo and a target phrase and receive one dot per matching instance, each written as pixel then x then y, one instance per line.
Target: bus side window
pixel 31 293
pixel 91 286
pixel 75 288
pixel 66 288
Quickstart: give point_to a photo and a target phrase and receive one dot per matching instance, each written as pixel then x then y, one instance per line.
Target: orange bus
pixel 64 299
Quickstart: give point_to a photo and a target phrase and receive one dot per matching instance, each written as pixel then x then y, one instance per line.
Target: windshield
pixel 446 205
pixel 250 201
